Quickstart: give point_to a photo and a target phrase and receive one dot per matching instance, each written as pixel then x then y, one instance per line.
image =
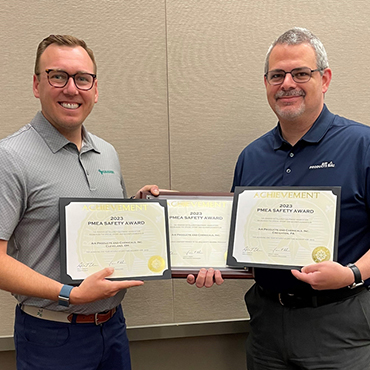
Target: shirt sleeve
pixel 367 179
pixel 238 173
pixel 13 195
pixel 123 187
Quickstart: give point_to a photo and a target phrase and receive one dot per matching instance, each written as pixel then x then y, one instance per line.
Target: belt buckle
pixel 280 300
pixel 96 318
pixel 288 303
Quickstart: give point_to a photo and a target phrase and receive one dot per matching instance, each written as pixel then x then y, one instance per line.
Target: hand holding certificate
pixel 284 227
pixel 129 235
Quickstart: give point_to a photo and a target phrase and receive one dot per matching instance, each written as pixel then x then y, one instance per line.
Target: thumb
pixel 310 268
pixel 190 279
pixel 296 273
pixel 154 190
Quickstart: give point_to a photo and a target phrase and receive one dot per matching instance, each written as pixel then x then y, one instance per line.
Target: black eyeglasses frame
pixel 71 76
pixel 292 74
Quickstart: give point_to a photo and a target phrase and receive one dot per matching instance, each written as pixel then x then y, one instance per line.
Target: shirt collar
pixel 54 139
pixel 313 135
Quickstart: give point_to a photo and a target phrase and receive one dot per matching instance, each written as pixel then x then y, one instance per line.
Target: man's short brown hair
pixel 62 40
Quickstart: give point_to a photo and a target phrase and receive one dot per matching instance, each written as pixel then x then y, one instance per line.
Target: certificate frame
pixel 183 271
pixel 120 207
pixel 265 227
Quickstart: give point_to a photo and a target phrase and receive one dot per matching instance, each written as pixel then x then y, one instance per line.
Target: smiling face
pixel 65 108
pixel 292 101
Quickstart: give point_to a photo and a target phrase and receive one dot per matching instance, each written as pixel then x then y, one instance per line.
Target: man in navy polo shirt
pixel 316 318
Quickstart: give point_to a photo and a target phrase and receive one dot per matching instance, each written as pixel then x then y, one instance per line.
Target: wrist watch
pixel 357 273
pixel 63 298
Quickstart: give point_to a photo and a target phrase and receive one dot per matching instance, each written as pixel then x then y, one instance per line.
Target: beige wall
pixel 181 94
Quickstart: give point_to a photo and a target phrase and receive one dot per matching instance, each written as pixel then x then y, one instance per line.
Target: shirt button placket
pixel 288 168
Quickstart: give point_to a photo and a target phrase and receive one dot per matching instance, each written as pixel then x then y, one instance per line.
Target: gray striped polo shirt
pixel 38 166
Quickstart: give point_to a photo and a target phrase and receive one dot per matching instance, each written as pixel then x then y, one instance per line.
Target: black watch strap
pixel 357 273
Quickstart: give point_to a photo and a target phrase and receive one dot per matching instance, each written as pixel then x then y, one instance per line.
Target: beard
pixel 289 112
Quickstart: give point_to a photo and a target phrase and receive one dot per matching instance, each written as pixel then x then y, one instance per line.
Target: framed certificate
pixel 284 227
pixel 199 225
pixel 129 235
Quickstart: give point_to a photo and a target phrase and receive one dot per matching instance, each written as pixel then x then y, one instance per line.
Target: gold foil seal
pixel 156 264
pixel 321 254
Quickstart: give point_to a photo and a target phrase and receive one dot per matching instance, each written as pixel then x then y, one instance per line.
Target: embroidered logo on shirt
pixel 322 165
pixel 103 172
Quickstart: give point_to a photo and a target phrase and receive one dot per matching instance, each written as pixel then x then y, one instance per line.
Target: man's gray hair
pixel 297 36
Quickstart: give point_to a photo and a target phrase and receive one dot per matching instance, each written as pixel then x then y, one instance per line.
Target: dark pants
pixel 49 345
pixel 334 336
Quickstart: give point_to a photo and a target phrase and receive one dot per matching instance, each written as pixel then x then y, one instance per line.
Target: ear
pixel 36 83
pixel 326 78
pixel 96 91
pixel 265 81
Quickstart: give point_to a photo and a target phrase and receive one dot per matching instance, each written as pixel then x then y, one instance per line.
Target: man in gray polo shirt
pixel 52 157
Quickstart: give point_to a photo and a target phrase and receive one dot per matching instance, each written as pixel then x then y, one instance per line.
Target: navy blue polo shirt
pixel 334 152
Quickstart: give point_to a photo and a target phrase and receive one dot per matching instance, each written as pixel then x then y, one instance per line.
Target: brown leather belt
pixel 43 313
pixel 95 318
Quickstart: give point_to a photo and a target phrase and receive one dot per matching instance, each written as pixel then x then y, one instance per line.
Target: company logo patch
pixel 322 165
pixel 104 172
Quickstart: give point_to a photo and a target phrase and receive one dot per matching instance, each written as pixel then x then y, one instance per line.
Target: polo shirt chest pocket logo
pixel 106 172
pixel 322 165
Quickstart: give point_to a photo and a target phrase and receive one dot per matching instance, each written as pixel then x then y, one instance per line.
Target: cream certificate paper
pixel 199 230
pixel 287 227
pixel 199 227
pixel 129 235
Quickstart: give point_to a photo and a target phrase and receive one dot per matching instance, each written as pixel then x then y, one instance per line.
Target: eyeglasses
pixel 299 75
pixel 59 79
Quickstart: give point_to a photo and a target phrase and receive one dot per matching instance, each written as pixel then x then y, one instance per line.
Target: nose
pixel 70 88
pixel 288 81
